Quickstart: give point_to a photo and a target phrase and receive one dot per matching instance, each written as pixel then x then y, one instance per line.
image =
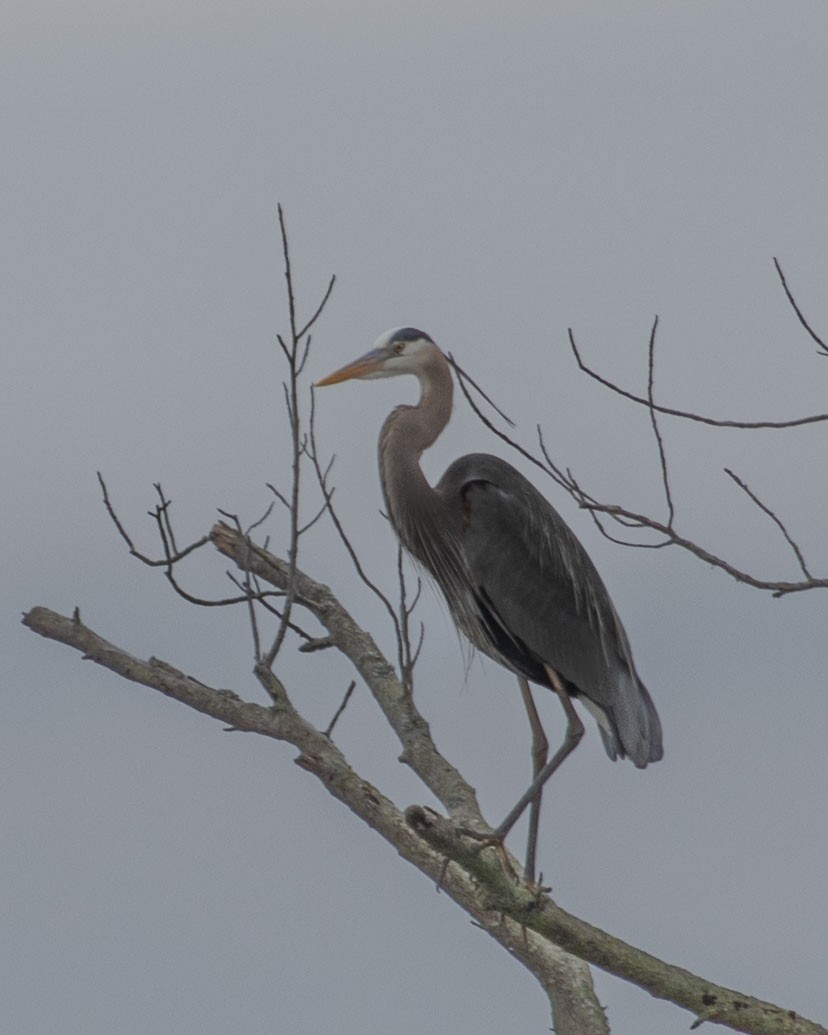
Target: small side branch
pixel 777 521
pixel 744 425
pixel 173 556
pixel 339 711
pixel 662 456
pixel 169 558
pixel 795 306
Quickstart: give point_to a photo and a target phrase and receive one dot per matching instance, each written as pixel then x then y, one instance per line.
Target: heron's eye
pixel 399 347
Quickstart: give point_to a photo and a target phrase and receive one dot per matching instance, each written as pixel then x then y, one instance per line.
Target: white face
pixel 400 352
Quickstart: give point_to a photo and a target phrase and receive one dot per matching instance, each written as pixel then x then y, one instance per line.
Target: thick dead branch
pixel 282 724
pixel 534 910
pixel 566 980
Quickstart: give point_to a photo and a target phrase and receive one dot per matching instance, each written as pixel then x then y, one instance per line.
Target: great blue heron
pixel 518 583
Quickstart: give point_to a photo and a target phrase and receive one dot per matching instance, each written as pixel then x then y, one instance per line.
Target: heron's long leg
pixel 540 749
pixel 574 732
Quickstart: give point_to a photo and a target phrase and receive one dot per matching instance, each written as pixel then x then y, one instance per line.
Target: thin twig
pixel 248 587
pixel 309 524
pixel 407 658
pixel 163 513
pixel 296 353
pixel 798 311
pixel 279 495
pixel 503 436
pixel 738 424
pixel 329 731
pixel 665 480
pixel 566 479
pixel 777 521
pixel 317 312
pixel 462 377
pixel 327 494
pixel 143 558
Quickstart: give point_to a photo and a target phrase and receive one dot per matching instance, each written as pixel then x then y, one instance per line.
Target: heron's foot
pixel 539 889
pixel 496 841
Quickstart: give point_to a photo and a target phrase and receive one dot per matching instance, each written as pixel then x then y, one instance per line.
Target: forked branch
pixel 666 528
pixel 521 917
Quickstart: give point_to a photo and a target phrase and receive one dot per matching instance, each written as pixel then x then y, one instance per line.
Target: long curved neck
pixel 407 432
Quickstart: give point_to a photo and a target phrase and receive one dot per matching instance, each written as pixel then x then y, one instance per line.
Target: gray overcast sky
pixel 494 175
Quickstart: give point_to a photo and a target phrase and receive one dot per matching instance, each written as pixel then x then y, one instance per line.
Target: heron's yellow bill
pixel 365 365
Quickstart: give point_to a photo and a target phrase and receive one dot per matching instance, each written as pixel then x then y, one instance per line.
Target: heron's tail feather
pixel 631 728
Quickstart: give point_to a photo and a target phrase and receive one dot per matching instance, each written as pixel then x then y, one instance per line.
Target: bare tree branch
pixel 795 422
pixel 539 913
pixel 777 588
pixel 631 519
pixel 521 917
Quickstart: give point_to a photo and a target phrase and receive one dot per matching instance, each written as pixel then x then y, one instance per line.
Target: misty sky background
pixel 493 175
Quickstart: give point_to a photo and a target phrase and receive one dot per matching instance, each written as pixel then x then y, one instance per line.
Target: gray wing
pixel 545 602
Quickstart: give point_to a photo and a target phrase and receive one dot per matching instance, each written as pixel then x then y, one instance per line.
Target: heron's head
pixel 404 350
